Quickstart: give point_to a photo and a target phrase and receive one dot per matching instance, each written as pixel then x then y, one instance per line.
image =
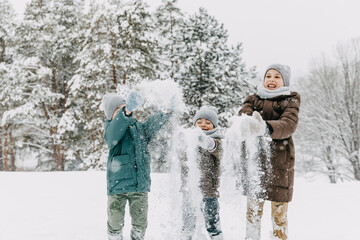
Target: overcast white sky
pixel 283 31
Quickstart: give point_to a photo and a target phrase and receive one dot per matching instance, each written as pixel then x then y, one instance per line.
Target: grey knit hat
pixel 209 113
pixel 284 70
pixel 110 102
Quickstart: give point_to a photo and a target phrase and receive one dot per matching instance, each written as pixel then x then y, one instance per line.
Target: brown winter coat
pixel 281 115
pixel 209 162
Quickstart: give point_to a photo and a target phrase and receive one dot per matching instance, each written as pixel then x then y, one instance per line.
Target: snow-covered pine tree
pixel 237 85
pixel 211 72
pixel 30 51
pixel 168 18
pixel 97 74
pixel 138 46
pixel 45 48
pixel 118 50
pixel 66 15
pixel 7 30
pixel 136 43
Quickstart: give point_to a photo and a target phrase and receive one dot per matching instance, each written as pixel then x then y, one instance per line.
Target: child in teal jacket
pixel 128 165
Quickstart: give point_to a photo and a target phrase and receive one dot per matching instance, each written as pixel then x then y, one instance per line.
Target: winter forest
pixel 62 56
pixel 60 59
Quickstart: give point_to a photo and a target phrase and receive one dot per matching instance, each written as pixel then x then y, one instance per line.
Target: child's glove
pixel 134 100
pixel 205 141
pixel 257 125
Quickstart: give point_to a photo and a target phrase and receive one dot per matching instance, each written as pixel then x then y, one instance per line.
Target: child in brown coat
pixel 279 108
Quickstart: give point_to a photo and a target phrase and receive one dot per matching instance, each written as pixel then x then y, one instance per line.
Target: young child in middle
pixel 209 150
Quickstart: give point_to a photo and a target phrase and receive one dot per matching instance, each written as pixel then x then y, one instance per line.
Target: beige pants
pixel 253 216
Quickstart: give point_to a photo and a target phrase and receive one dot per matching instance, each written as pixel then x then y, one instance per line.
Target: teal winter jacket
pixel 128 165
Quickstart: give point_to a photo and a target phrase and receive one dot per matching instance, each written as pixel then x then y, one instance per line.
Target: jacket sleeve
pixel 154 124
pixel 248 106
pixel 286 125
pixel 116 128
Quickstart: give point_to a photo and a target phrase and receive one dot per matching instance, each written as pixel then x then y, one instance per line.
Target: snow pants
pixel 253 219
pixel 138 206
pixel 210 210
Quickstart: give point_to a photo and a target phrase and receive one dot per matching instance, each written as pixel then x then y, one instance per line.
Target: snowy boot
pixel 253 218
pixel 279 220
pixel 137 234
pixel 212 217
pixel 217 237
pixel 115 237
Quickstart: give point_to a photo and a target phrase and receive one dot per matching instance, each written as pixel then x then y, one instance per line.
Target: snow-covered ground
pixel 72 206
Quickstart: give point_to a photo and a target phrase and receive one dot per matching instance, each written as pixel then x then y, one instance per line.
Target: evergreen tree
pixel 168 18
pixel 45 43
pixel 7 30
pixel 136 43
pixel 67 15
pixel 95 76
pixel 118 51
pixel 211 72
pixel 57 64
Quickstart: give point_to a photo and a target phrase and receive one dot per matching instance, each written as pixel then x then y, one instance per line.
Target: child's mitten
pixel 134 100
pixel 257 125
pixel 206 142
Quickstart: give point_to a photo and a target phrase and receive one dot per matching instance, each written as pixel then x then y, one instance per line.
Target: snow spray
pixel 161 93
pixel 246 156
pixel 186 170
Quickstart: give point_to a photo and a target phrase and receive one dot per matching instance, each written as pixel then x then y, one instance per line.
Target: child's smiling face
pixel 204 124
pixel 273 80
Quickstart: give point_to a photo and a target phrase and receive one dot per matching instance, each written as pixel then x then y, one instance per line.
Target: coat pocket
pixel 121 167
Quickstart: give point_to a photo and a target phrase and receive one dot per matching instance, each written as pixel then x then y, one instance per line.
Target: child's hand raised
pixel 134 100
pixel 257 125
pixel 205 141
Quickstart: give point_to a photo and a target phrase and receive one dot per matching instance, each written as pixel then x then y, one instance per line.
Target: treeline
pixel 58 61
